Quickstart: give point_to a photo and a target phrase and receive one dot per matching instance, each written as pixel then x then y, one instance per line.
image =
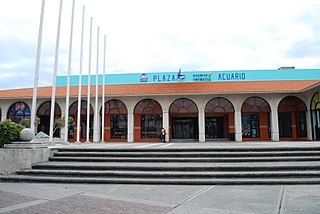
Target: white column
pixel 103 87
pixel 36 72
pixel 309 124
pixel 238 126
pixel 274 125
pixel 165 123
pixel 130 127
pixel 202 129
pixel 66 121
pixel 96 131
pixel 55 71
pixel 89 82
pixel 80 78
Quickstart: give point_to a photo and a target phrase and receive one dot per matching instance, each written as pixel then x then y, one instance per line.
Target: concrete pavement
pixel 147 199
pixel 31 198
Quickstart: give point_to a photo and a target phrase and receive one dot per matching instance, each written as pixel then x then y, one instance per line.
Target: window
pixel 301 124
pixel 292 108
pixel 18 111
pixel 219 105
pixel 255 118
pixel 118 126
pixel 183 106
pixel 250 126
pixel 117 111
pixel 73 112
pixel 150 113
pixel 151 126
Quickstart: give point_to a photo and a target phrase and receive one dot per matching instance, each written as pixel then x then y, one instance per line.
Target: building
pixel 268 105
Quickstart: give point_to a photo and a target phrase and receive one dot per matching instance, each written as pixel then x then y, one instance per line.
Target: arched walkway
pixel 18 111
pixel 292 119
pixel 255 114
pixel 219 119
pixel 44 115
pixel 315 112
pixel 115 122
pixel 183 116
pixel 147 120
pixel 73 112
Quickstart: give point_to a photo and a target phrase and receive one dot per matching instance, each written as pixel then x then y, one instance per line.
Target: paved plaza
pixel 31 198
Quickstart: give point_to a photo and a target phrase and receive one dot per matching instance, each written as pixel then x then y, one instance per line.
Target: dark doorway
pixel 214 127
pixel 285 129
pixel 185 128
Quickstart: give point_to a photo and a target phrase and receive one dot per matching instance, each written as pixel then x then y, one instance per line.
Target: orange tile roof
pixel 174 88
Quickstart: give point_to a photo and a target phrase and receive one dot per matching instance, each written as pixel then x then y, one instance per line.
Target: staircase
pixel 179 166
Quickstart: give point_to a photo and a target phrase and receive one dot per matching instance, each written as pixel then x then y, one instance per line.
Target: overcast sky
pixel 160 36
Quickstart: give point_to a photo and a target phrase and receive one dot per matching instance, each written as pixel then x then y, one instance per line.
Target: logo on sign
pixel 180 76
pixel 144 77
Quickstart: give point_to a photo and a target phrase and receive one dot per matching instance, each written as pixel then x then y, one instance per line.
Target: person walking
pixel 163 135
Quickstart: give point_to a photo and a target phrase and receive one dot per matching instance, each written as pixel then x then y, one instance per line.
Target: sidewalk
pixel 148 199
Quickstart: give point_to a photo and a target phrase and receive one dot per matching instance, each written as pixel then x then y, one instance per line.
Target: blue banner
pixel 196 76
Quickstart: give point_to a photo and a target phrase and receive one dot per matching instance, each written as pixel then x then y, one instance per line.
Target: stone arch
pixel 255 119
pixel 183 117
pixel 219 119
pixel 183 106
pixel 73 112
pixel 147 120
pixel 315 115
pixel 115 121
pixel 292 118
pixel 43 113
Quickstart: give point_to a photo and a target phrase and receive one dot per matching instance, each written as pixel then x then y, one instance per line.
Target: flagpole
pixel 36 72
pixel 80 78
pixel 103 89
pixel 96 136
pixel 89 79
pixel 68 84
pixel 53 98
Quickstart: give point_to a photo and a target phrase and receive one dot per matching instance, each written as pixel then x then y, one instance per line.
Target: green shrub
pixel 9 132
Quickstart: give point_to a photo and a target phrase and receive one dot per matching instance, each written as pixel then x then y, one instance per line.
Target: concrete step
pixel 183 159
pixel 162 181
pixel 174 174
pixel 187 154
pixel 184 167
pixel 192 165
pixel 194 148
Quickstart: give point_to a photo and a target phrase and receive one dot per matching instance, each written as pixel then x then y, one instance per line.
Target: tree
pixel 60 122
pixel 27 121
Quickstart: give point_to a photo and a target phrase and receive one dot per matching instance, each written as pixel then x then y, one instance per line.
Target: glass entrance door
pixel 214 127
pixel 185 128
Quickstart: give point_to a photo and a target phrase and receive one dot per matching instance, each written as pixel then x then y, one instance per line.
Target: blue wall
pixel 197 76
